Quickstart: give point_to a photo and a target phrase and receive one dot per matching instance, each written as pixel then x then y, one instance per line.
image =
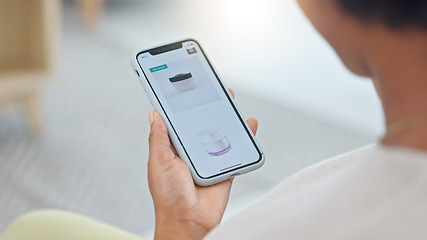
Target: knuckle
pixel 166 155
pixel 152 136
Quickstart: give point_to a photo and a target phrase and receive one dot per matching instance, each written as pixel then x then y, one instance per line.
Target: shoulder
pixel 280 209
pixel 358 195
pixel 326 168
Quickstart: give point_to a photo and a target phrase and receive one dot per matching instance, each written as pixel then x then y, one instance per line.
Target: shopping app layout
pixel 200 112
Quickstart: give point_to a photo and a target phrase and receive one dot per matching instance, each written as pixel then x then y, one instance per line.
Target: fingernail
pixel 151 117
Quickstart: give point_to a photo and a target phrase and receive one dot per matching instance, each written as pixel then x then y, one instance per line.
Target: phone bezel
pixel 175 46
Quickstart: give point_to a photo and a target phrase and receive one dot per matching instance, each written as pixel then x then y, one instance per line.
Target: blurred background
pixel 73 117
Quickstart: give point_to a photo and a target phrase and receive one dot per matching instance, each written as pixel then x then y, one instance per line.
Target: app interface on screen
pixel 200 112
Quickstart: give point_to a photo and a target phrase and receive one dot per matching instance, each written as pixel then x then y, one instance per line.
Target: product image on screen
pixel 183 82
pixel 215 141
pixel 199 110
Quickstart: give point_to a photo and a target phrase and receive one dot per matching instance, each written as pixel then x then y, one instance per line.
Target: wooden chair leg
pixel 91 11
pixel 33 110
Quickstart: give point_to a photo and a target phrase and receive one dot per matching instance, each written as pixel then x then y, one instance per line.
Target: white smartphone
pixel 204 124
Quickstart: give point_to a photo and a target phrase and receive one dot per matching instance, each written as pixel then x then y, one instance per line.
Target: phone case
pixel 174 139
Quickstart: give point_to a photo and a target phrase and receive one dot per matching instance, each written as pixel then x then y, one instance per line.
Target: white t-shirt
pixel 376 192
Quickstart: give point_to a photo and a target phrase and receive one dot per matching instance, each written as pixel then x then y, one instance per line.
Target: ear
pixel 345 33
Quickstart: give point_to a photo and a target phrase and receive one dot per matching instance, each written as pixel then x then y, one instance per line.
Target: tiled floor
pixel 92 156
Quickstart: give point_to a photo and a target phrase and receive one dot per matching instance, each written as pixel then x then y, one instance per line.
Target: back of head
pixel 393 13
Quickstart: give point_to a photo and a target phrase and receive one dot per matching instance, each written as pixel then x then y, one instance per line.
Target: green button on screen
pixel 158 68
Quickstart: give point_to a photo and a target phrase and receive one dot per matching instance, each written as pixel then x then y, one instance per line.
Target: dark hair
pixel 394 13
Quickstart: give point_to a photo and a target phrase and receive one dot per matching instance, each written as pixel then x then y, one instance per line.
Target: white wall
pixel 267 48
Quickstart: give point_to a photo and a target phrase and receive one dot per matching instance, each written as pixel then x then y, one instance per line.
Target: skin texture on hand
pixel 183 209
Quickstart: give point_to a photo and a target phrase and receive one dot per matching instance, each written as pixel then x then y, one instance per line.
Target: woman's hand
pixel 183 209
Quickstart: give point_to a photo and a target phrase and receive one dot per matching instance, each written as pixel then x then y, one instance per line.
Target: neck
pixel 400 75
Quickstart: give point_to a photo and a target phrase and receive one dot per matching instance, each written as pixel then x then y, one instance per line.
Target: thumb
pixel 159 143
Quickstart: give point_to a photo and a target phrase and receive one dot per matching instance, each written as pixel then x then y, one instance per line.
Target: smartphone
pixel 204 124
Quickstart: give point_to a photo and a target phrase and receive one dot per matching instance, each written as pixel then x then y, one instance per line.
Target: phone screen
pixel 205 121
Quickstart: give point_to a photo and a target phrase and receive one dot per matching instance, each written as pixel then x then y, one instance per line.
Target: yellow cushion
pixel 62 225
